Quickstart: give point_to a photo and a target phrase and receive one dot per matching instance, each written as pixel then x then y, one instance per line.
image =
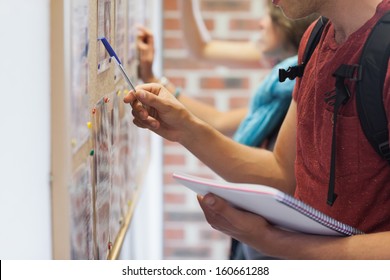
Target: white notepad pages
pixel 275 206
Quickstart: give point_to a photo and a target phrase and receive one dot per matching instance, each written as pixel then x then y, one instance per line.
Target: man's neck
pixel 348 16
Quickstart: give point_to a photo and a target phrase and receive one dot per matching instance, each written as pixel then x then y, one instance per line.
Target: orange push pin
pixel 94 111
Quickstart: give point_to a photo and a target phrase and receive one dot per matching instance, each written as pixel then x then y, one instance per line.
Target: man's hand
pixel 156 109
pixel 247 227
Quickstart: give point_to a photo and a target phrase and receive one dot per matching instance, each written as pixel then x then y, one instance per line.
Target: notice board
pixel 98 155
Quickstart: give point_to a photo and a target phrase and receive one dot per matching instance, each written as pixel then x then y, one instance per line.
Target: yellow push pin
pixel 118 92
pixel 73 142
pixel 89 124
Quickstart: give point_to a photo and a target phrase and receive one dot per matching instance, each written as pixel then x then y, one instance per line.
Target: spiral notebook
pixel 275 206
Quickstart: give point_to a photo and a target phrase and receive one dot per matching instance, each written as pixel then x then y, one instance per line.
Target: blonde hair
pixel 292 29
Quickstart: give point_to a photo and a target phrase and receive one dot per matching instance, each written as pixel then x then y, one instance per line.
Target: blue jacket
pixel 268 107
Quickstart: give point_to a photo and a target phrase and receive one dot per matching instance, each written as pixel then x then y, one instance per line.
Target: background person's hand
pixel 145 47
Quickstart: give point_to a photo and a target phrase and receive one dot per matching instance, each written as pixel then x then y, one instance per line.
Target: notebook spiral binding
pixel 317 215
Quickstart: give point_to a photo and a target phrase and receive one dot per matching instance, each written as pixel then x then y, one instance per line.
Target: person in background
pixel 257 124
pixel 299 164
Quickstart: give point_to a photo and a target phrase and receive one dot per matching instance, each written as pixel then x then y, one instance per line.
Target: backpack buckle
pixel 384 149
pixel 356 72
pixel 291 73
pixel 352 72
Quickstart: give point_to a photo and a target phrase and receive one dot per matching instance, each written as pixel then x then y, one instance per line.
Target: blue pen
pixel 113 55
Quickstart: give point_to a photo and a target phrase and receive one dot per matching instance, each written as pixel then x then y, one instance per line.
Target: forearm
pixel 203 47
pixel 289 245
pixel 225 122
pixel 233 161
pixel 232 53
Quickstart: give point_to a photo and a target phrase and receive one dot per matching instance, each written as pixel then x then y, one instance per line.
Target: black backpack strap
pixel 315 36
pixel 341 96
pixel 369 90
pixel 369 75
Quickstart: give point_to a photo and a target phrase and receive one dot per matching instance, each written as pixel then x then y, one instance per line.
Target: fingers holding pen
pixel 155 108
pixel 145 115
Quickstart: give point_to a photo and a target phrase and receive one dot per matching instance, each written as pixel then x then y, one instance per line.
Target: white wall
pixel 25 220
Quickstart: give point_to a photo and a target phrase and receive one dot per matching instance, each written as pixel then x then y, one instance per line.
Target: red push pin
pixel 106 99
pixel 94 111
pixel 109 245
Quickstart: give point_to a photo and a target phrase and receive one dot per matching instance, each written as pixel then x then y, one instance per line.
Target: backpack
pixel 369 76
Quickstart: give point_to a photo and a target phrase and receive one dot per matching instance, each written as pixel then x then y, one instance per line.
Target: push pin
pixel 106 99
pixel 109 245
pixel 73 143
pixel 89 124
pixel 94 111
pixel 92 152
pixel 118 92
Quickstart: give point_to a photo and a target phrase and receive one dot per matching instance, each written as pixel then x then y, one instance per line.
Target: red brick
pixel 244 24
pixel 239 102
pixel 174 159
pixel 221 82
pixel 173 234
pixel 184 64
pixel 174 198
pixel 212 83
pixel 169 5
pixel 172 24
pixel 168 179
pixel 178 81
pixel 210 24
pixel 225 5
pixel 173 43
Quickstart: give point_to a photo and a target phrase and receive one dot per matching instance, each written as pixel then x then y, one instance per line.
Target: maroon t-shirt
pixel 362 177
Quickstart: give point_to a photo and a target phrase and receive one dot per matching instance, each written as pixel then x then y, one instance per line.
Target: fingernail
pixel 142 95
pixel 210 201
pixel 154 124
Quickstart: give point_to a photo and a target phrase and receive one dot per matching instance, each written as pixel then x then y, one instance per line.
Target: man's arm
pixel 235 162
pixel 256 232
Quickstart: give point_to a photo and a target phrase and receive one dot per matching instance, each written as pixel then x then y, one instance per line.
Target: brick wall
pixel 186 233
